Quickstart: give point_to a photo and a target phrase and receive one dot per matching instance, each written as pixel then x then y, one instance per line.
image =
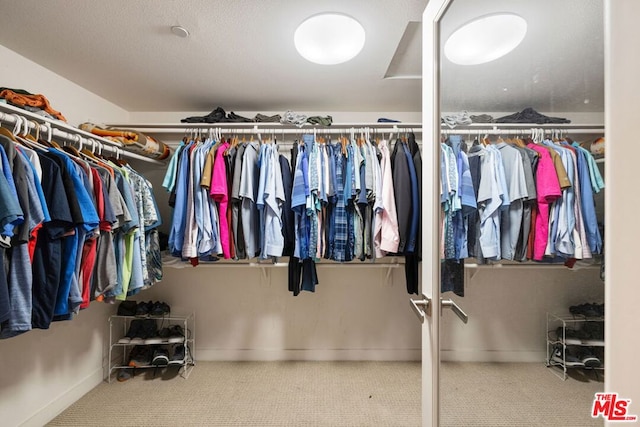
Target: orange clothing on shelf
pixel 37 101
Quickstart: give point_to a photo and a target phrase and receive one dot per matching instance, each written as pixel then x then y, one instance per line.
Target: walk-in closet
pixel 413 234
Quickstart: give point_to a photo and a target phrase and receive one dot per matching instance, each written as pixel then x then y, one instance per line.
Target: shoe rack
pixel 121 346
pixel 574 341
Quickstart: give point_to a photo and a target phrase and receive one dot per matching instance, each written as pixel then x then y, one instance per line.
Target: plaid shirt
pixel 340 221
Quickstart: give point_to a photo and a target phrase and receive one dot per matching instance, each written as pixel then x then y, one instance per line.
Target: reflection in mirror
pixel 522 214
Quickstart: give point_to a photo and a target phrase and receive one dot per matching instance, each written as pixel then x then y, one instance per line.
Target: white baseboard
pixel 62 402
pixel 492 356
pixel 206 354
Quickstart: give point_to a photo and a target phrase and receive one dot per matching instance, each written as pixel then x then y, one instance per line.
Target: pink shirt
pixel 548 190
pixel 220 194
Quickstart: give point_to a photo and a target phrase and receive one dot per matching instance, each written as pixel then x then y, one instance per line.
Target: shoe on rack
pixel 571 336
pixel 127 308
pixel 135 328
pixel 179 355
pixel 149 330
pixel 160 309
pixel 176 334
pixel 124 374
pixel 594 330
pixel 161 338
pixel 587 310
pixel 143 308
pixel 140 356
pixel 569 360
pixel 589 359
pixel 160 357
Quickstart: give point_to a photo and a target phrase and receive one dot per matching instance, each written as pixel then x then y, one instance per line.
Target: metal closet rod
pixel 512 129
pixel 272 128
pixel 75 136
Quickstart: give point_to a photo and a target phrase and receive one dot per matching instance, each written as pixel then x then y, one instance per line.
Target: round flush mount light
pixel 485 39
pixel 329 38
pixel 180 31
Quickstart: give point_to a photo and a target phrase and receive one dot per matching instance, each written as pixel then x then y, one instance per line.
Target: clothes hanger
pixel 12 135
pixel 90 154
pixel 73 150
pixel 22 135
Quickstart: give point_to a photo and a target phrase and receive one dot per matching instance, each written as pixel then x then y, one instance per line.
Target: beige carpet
pixel 335 394
pixel 516 394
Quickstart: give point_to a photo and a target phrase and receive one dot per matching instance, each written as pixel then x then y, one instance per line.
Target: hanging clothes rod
pixel 62 131
pixel 496 130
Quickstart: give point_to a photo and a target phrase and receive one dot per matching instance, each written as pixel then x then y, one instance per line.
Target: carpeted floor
pixel 516 394
pixel 336 394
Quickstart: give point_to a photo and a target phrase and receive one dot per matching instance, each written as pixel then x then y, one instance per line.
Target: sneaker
pixel 179 355
pixel 160 357
pixel 154 340
pixel 160 309
pixel 161 337
pixel 143 309
pixel 124 374
pixel 589 359
pixel 594 330
pixel 588 310
pixel 140 356
pixel 127 308
pixel 569 360
pixel 148 330
pixel 176 334
pixel 571 336
pixel 135 328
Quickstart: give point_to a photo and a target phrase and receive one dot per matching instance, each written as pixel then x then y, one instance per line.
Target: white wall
pixel 74 102
pixel 622 91
pixel 355 314
pixel 507 311
pixel 42 372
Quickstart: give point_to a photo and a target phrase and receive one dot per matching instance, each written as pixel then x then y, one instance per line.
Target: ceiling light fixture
pixel 180 31
pixel 329 38
pixel 485 39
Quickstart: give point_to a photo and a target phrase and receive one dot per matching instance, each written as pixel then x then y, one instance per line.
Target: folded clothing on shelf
pixel 21 98
pixel 529 115
pixel 133 141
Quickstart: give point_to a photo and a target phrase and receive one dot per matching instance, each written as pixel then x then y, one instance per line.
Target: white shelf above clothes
pixel 63 131
pixel 180 127
pixel 388 263
pixel 520 128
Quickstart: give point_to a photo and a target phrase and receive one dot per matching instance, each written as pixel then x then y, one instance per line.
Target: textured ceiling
pixel 241 56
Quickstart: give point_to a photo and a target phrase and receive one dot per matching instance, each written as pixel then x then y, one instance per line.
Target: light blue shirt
pixel 249 177
pixel 511 219
pixel 492 198
pixel 561 239
pixel 273 201
pixel 178 221
pixel 594 240
pixel 169 181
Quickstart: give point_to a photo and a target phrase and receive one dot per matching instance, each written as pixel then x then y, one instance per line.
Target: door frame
pixel 431 209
